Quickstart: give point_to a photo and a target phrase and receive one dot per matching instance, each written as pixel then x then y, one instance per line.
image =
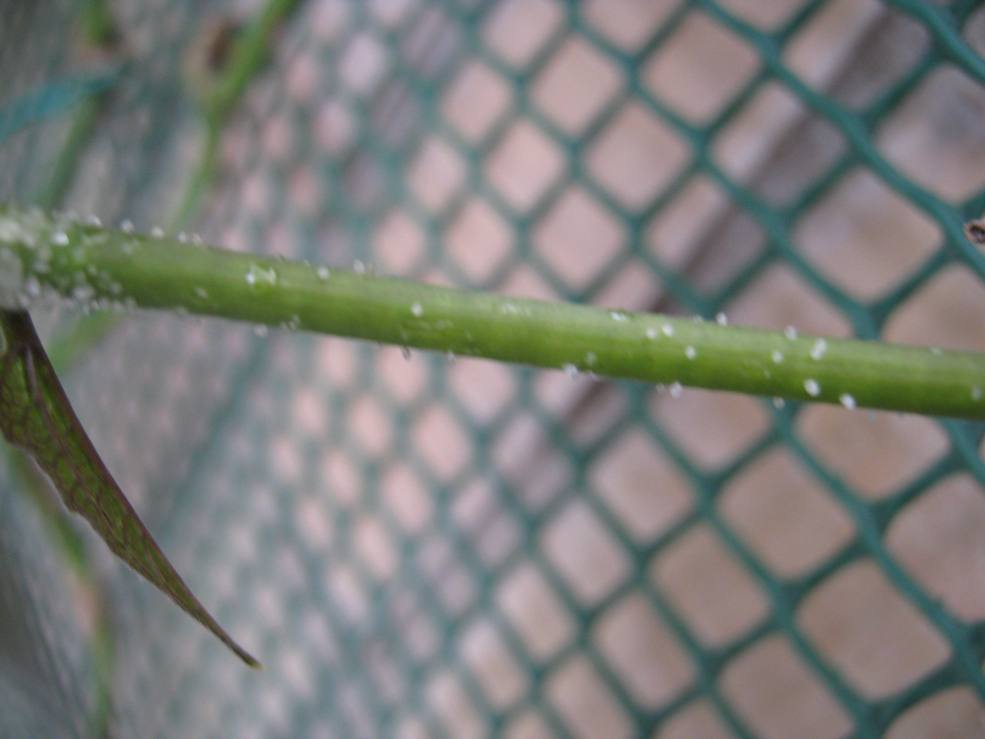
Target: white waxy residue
pixel 847 400
pixel 812 387
pixel 257 275
pixel 819 348
pixel 416 309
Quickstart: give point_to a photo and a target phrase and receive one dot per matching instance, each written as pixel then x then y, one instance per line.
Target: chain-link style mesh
pixel 429 546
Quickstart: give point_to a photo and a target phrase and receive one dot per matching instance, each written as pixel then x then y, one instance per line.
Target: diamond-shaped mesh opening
pixel 419 545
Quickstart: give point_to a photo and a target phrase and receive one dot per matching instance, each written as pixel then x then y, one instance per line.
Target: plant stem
pixel 100 266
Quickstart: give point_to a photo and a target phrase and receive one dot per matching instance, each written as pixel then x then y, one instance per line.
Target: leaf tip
pixel 248 659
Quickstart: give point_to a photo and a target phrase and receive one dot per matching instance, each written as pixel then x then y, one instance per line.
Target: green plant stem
pixel 98 24
pixel 83 123
pixel 103 266
pixel 248 57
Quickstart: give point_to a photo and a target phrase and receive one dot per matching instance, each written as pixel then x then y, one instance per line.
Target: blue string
pixel 51 100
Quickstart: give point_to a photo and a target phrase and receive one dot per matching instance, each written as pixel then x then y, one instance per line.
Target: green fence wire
pixel 431 546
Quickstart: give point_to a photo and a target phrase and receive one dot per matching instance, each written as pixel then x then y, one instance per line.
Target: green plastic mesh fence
pixel 418 545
